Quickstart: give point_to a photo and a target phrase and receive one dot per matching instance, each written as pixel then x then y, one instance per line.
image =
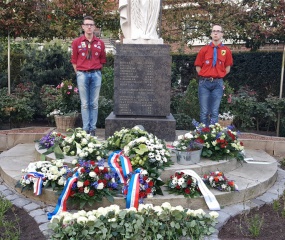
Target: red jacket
pixel 80 52
pixel 204 60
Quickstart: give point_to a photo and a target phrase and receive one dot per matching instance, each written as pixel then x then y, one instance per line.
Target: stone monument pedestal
pixel 142 88
pixel 163 128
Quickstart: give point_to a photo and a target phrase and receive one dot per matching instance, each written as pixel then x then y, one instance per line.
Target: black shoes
pixel 92 133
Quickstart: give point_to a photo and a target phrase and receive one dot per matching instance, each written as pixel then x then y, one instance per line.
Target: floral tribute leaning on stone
pixel 83 145
pixel 95 181
pixel 183 184
pixel 146 222
pixel 219 181
pixel 121 138
pixel 45 174
pixel 219 143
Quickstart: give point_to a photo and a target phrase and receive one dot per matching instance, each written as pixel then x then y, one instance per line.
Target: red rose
pixel 81 189
pixel 200 140
pixel 142 194
pixel 72 193
pixel 187 191
pixel 91 193
pixel 82 170
pixel 92 163
pixel 86 183
pixel 189 181
pixel 178 187
pixel 105 170
pixel 150 183
pixel 148 190
pixel 105 182
pixel 96 170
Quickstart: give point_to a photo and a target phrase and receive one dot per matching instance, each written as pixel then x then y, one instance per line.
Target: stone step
pixel 252 179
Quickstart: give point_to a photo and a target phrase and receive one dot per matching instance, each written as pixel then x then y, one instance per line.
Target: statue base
pixel 142 41
pixel 162 127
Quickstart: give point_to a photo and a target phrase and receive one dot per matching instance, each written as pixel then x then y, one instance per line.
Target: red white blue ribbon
pixel 37 179
pixel 61 203
pixel 122 170
pixel 133 191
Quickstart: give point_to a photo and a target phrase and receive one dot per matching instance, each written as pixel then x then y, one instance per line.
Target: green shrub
pixel 16 108
pixel 105 108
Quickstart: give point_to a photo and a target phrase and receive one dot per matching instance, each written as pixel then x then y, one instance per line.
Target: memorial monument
pixel 142 73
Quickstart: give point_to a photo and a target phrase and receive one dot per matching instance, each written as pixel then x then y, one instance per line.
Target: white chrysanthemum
pixel 180 137
pixel 180 181
pixel 98 158
pixel 91 145
pixel 74 161
pixel 214 143
pixel 188 136
pixel 84 141
pixel 175 143
pixel 81 155
pixel 158 157
pixel 78 135
pixel 174 181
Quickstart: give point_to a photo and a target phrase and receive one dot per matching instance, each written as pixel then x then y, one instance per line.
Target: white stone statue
pixel 138 19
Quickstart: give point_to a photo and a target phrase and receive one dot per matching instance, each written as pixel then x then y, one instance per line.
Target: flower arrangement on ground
pixel 183 184
pixel 187 142
pixel 83 145
pixel 95 181
pixel 121 138
pixel 148 187
pixel 219 181
pixel 145 223
pixel 52 173
pixel 219 143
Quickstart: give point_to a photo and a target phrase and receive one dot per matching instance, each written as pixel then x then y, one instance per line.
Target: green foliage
pixel 159 223
pixel 9 228
pixel 16 108
pixel 105 108
pixel 49 96
pixel 227 98
pixel 186 104
pixel 107 87
pixel 254 224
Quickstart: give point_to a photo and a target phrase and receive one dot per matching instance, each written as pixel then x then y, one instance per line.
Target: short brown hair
pixel 87 18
